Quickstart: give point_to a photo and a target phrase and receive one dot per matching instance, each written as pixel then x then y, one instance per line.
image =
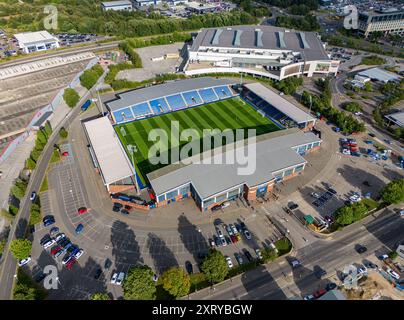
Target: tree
pixel 353 107
pixel 48 128
pixel 63 133
pixel 71 97
pixel 368 86
pixel 176 282
pixel 21 248
pixel 269 254
pixel 344 215
pixel 100 296
pixel 31 164
pixel 17 192
pixel 393 192
pixel 139 284
pixel 215 267
pixel 88 79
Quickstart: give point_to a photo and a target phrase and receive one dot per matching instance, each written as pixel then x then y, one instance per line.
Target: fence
pixel 50 107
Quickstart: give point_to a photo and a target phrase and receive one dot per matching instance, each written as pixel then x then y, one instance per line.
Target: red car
pixel 71 263
pixel 55 250
pixel 319 293
pixel 82 210
pixel 65 154
pixel 233 238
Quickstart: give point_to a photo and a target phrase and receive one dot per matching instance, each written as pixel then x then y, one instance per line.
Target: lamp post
pixel 132 149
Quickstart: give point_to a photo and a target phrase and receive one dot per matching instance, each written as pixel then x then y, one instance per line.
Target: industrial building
pixel 122 5
pixel 36 41
pixel 264 51
pixel 386 21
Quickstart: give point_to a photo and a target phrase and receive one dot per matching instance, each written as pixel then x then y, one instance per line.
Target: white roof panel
pixel 32 37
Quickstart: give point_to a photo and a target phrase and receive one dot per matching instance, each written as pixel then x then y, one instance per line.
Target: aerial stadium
pixel 119 143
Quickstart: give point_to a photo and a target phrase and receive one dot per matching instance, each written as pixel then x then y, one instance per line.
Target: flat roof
pixel 117 3
pixel 37 36
pixel 271 38
pixel 110 156
pixel 379 74
pixel 136 96
pixel 272 155
pixel 397 118
pixel 279 102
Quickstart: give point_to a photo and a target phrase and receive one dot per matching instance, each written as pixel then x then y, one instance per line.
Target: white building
pixel 146 3
pixel 36 41
pixel 266 51
pixel 122 5
pixel 388 21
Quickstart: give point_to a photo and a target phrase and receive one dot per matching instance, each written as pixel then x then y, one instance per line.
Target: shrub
pixel 71 97
pixel 63 133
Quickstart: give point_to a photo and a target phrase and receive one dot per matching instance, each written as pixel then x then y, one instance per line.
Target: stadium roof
pixel 33 37
pixel 397 118
pixel 272 154
pixel 279 102
pixel 110 156
pixel 132 97
pixel 116 3
pixel 379 75
pixel 272 38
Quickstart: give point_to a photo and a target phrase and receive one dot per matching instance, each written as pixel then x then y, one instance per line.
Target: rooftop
pixel 279 103
pixel 117 3
pixel 110 156
pixel 32 37
pixel 136 96
pixel 273 153
pixel 397 118
pixel 379 74
pixel 262 37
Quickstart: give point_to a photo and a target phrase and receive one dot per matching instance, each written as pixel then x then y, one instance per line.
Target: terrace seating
pixel 223 92
pixel 159 106
pixel 123 115
pixel 141 110
pixel 176 102
pixel 208 95
pixel 192 98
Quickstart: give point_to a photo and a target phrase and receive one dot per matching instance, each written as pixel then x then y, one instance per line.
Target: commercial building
pixel 36 41
pixel 386 21
pixel 380 75
pixel 263 51
pixel 201 8
pixel 122 5
pixel 146 3
pixel 396 118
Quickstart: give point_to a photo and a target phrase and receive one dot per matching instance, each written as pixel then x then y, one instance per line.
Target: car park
pixel 114 278
pixel 189 267
pixel 120 278
pixel 229 262
pixel 25 261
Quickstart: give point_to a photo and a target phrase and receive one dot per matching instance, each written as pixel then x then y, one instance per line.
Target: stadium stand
pixel 192 98
pixel 141 110
pixel 159 106
pixel 176 102
pixel 208 95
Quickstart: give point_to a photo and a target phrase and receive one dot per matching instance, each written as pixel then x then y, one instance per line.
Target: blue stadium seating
pixel 159 106
pixel 223 92
pixel 141 109
pixel 208 95
pixel 123 115
pixel 176 102
pixel 192 98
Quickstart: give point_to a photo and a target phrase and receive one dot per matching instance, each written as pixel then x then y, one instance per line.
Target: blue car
pixel 79 228
pixel 48 222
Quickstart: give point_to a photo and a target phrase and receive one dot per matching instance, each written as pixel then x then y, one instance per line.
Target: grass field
pixel 227 114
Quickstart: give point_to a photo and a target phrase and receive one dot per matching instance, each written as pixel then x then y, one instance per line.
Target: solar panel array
pixel 172 103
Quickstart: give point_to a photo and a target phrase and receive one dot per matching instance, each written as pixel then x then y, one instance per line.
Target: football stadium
pixel 119 143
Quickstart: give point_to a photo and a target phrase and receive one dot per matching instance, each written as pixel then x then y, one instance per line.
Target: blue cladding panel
pixel 192 98
pixel 223 92
pixel 123 115
pixel 176 102
pixel 159 106
pixel 208 95
pixel 141 109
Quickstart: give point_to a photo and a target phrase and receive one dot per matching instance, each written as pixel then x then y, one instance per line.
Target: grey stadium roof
pixel 279 103
pixel 132 97
pixel 272 154
pixel 272 38
pixel 397 118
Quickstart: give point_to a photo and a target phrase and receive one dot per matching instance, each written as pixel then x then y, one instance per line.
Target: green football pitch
pixel 227 114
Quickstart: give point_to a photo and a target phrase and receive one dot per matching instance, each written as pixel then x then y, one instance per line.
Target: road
pixel 58 53
pixel 332 255
pixel 19 227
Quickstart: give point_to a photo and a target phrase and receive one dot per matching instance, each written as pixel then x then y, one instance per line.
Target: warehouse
pixel 122 5
pixel 278 158
pixel 263 51
pixel 36 41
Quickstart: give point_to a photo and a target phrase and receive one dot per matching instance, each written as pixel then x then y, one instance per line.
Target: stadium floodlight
pixel 132 149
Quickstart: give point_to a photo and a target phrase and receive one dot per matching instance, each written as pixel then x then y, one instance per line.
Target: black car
pixel 98 274
pixel 361 249
pixel 332 190
pixel 371 134
pixel 38 278
pixel 107 264
pixel 218 243
pixel 248 255
pixel 45 239
pixel 188 267
pixel 330 286
pixel 293 206
pixel 216 208
pixel 48 218
pixel 243 226
pixel 125 212
pixel 366 183
pixel 319 272
pixel 117 207
pixel 238 227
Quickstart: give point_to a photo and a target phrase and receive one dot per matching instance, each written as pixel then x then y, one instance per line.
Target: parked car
pixel 45 239
pixel 295 263
pixel 223 242
pixel 361 249
pixel 48 222
pixel 78 254
pixel 233 228
pixel 125 212
pixel 60 237
pixel 238 228
pixel 71 263
pixel 107 264
pixel 55 250
pixel 330 286
pixel 24 261
pixel 248 255
pixel 362 269
pixel 82 210
pixel 189 267
pixel 54 231
pixel 247 234
pixel 258 253
pixel 319 293
pixel 114 278
pixel 293 206
pixel 79 228
pixel 218 243
pixel 225 204
pixel 216 208
pixel 370 265
pixel 243 226
pixel 392 273
pixel 66 259
pixel 117 207
pixel 229 262
pixel 120 278
pixel 219 232
pixel 49 244
pixel 383 257
pixel 315 195
pixel 233 238
pixel 330 189
pixel 98 273
pixel 229 230
pixel 239 258
pixel 309 297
